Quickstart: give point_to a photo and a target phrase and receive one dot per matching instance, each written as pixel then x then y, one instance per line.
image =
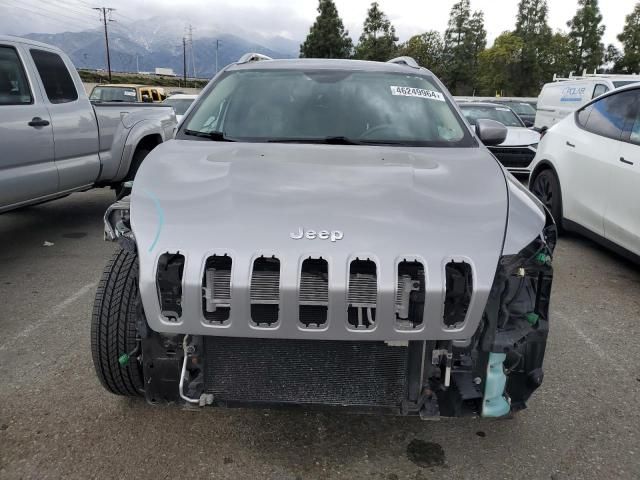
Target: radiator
pixel 346 373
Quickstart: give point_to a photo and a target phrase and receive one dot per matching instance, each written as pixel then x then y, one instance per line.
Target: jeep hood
pixel 389 203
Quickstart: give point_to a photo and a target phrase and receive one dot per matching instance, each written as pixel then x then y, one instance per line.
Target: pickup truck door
pixel 75 130
pixel 622 215
pixel 27 167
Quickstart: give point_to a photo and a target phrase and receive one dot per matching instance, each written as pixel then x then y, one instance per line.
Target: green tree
pixel 558 57
pixel 586 36
pixel 426 49
pixel 476 41
pixel 612 58
pixel 456 58
pixel 630 39
pixel 499 65
pixel 327 37
pixel 378 39
pixel 464 39
pixel 532 27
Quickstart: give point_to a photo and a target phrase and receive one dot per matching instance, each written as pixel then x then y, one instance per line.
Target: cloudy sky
pixel 289 18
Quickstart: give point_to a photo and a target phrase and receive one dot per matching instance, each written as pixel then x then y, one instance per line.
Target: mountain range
pixel 157 42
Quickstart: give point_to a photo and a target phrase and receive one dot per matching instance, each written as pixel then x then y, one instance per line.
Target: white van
pixel 565 95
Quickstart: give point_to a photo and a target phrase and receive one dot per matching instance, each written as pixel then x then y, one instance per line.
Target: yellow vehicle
pixel 127 93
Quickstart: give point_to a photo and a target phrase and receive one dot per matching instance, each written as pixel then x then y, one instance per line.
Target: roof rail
pixel 586 75
pixel 408 61
pixel 253 57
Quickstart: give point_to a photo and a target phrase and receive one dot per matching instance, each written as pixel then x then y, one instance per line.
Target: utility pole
pixel 193 60
pixel 217 48
pixel 184 60
pixel 105 13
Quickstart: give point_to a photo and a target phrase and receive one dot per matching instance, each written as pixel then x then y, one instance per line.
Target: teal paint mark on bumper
pixel 494 403
pixel 160 213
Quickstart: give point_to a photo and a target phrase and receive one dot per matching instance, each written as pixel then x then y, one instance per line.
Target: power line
pixel 72 7
pixel 79 3
pixel 105 13
pixel 49 16
pixel 79 18
pixel 47 13
pixel 125 17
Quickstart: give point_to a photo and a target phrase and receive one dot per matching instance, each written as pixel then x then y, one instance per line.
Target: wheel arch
pixel 142 135
pixel 541 167
pixel 148 142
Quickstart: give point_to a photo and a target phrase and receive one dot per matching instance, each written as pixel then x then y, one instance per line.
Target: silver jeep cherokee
pixel 327 232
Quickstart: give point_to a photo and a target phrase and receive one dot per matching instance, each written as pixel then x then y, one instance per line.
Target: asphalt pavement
pixel 56 421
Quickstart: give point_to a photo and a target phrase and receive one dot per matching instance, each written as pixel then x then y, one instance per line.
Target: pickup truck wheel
pixel 113 326
pixel 136 161
pixel 547 188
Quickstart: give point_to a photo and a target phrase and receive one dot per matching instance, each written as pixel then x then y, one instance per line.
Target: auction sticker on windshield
pixel 417 92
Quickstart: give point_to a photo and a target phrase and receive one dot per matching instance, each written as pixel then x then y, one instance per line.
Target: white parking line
pixel 597 349
pixel 591 343
pixel 54 312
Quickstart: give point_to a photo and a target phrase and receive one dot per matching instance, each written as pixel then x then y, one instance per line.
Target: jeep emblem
pixel 332 235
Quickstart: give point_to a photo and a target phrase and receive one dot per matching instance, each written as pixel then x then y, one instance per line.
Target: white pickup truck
pixel 54 140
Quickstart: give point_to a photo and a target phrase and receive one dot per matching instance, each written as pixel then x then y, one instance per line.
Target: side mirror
pixel 146 99
pixel 490 132
pixel 528 123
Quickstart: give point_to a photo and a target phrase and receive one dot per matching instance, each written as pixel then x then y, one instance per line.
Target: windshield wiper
pixel 214 135
pixel 321 140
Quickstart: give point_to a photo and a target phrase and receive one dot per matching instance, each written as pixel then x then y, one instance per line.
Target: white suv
pixel 587 170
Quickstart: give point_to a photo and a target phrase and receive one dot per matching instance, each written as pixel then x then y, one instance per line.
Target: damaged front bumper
pixel 490 374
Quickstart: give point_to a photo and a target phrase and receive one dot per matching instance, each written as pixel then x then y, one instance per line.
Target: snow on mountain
pixel 157 42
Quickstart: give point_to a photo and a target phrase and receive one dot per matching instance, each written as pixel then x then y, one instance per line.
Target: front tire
pixel 546 187
pixel 113 326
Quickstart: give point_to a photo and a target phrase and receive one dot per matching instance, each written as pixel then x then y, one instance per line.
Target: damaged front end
pixel 490 374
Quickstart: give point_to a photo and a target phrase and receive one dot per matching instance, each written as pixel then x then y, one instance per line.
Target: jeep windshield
pixel 327 106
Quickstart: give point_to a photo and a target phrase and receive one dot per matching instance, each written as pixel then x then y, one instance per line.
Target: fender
pixel 140 130
pixel 543 165
pixel 522 225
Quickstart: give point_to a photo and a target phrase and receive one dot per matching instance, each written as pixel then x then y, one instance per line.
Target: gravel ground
pixel 56 421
